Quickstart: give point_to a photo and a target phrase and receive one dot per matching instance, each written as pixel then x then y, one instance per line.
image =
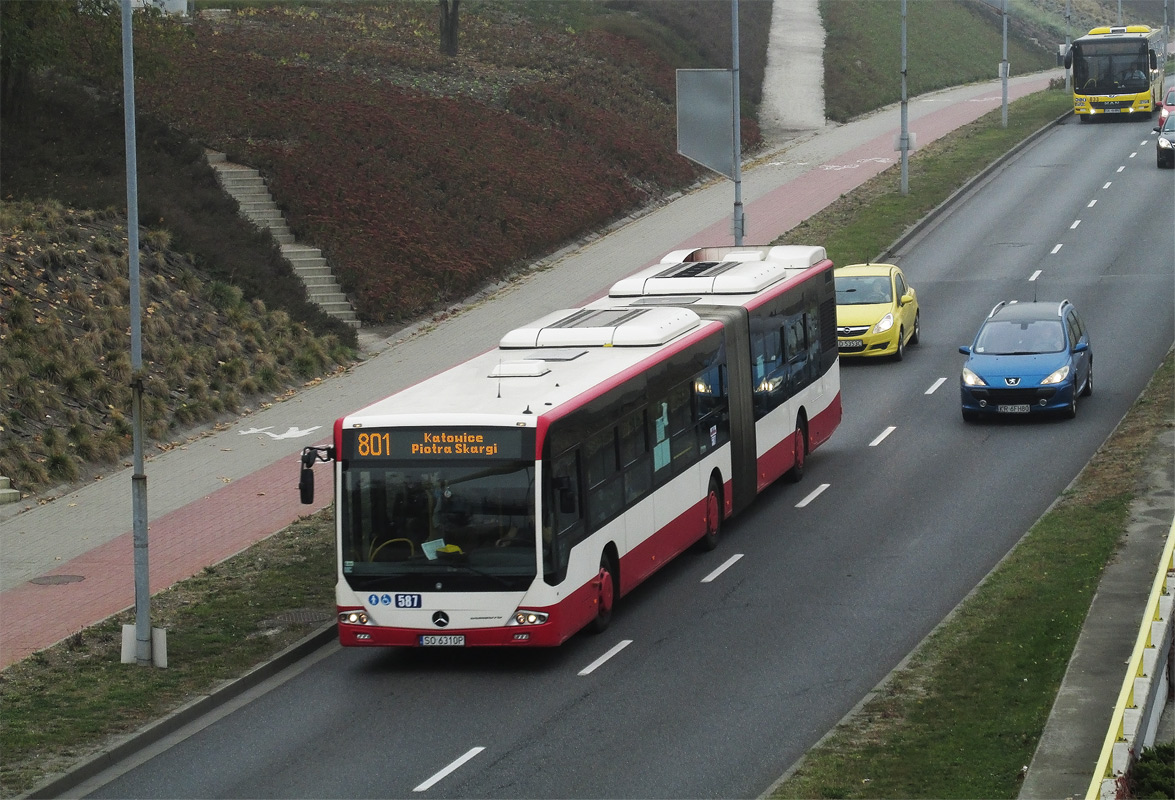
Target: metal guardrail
pixel 1140 702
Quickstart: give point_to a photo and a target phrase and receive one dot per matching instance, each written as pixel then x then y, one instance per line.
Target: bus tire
pixel 709 539
pixel 800 445
pixel 606 595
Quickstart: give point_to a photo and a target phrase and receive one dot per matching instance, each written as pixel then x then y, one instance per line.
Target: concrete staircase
pixel 248 188
pixel 7 493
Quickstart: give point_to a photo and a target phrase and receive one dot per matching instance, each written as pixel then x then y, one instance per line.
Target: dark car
pixel 1027 358
pixel 1165 145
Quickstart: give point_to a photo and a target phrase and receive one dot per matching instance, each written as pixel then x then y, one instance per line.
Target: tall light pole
pixel 142 650
pixel 1068 44
pixel 1004 69
pixel 904 142
pixel 739 221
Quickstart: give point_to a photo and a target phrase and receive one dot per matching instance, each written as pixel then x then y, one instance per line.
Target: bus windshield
pixel 1110 68
pixel 457 525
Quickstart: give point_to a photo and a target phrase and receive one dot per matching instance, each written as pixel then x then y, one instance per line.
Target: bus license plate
pixel 434 640
pixel 1019 408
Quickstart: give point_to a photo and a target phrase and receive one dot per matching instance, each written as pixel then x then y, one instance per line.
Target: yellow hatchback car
pixel 876 311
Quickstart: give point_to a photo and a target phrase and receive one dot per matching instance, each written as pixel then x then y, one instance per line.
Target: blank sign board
pixel 705 118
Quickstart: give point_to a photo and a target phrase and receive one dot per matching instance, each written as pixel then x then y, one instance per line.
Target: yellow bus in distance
pixel 1116 71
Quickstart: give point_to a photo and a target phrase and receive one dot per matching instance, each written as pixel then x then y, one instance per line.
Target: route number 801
pixel 373 445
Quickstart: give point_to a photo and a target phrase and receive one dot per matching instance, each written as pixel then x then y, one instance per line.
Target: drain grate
pixel 303 616
pixel 57 580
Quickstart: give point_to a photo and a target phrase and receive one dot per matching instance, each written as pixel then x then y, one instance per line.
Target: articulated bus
pixel 514 498
pixel 1116 71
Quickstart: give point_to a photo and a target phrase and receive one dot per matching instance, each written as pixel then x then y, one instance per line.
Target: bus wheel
pixel 800 444
pixel 605 584
pixel 709 539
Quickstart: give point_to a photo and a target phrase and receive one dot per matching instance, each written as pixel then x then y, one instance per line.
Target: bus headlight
pixel 354 616
pixel 524 617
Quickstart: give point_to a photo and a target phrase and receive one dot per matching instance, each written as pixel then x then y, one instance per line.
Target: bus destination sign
pixel 431 444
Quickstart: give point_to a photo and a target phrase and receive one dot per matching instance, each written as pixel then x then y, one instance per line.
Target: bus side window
pixel 661 457
pixel 603 479
pixel 683 443
pixel 713 408
pixel 562 528
pixel 634 457
pixel 797 353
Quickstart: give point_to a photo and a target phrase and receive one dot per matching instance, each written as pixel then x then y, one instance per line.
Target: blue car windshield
pixel 1020 337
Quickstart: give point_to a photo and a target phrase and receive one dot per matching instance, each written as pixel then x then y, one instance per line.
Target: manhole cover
pixel 303 616
pixel 54 580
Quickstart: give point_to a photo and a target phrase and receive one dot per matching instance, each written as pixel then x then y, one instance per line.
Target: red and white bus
pixel 514 498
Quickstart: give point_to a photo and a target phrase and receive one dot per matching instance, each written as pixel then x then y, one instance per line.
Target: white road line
pixel 1075 224
pixel 1144 143
pixel 729 563
pixel 1092 203
pixel 1132 155
pixel 1107 186
pixel 935 385
pixel 881 436
pixel 1035 275
pixel 1054 250
pixel 590 668
pixel 813 496
pixel 1120 168
pixel 440 775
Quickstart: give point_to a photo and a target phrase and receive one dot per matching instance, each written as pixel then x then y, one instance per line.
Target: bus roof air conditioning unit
pixel 612 327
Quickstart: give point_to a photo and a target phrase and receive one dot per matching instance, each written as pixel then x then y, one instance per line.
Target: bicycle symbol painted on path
pixel 291 433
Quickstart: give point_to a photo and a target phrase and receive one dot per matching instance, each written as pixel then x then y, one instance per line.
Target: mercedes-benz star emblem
pixel 440 619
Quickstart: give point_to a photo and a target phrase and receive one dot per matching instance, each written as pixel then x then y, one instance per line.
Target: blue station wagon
pixel 1027 358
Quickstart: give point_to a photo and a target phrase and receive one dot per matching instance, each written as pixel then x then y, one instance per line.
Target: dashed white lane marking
pixel 1132 155
pixel 881 436
pixel 1092 203
pixel 590 668
pixel 1107 186
pixel 935 385
pixel 1120 168
pixel 1075 224
pixel 816 493
pixel 727 565
pixel 1034 275
pixel 1054 250
pixel 440 775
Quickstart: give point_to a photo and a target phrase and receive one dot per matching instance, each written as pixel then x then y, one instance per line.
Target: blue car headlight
pixel 971 379
pixel 1057 376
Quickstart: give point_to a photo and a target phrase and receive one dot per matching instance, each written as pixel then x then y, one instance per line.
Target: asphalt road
pixel 724 683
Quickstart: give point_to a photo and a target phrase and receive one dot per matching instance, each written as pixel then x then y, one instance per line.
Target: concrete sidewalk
pixel 215 496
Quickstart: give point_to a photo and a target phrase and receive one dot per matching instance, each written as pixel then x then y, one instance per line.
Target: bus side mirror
pixel 306 485
pixel 306 478
pixel 1069 59
pixel 1154 60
